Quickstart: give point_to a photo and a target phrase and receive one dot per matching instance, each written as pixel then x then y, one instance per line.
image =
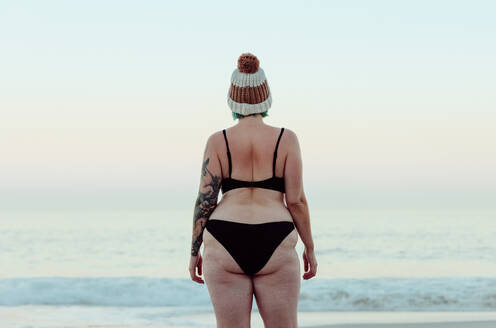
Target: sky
pixel 108 104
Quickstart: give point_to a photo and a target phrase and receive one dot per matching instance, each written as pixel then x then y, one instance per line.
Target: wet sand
pixel 468 324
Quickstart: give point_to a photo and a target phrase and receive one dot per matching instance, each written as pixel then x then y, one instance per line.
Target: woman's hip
pixel 249 248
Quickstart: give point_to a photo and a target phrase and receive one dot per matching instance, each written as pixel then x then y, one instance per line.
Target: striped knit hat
pixel 249 92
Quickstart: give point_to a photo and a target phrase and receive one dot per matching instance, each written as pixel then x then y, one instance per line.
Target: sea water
pixel 90 268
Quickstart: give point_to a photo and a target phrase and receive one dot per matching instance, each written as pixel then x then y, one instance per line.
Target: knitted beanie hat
pixel 249 92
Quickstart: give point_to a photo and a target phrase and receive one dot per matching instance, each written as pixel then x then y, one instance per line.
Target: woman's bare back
pixel 252 150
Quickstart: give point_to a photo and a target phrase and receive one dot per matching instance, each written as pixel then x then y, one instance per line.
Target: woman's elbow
pixel 294 202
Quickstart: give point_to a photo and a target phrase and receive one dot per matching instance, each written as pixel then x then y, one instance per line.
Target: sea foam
pixel 330 294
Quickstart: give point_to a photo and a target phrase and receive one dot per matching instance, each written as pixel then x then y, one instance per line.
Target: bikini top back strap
pixel 275 154
pixel 228 152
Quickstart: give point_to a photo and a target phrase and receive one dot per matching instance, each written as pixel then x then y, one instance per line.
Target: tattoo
pixel 205 204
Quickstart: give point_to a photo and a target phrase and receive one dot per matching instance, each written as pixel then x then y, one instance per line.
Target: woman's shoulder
pixel 290 132
pixel 289 139
pixel 215 138
pixel 289 136
pixel 287 131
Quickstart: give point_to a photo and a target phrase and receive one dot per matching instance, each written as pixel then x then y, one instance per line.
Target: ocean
pixel 125 268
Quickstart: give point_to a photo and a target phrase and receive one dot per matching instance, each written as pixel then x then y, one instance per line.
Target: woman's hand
pixel 196 262
pixel 310 263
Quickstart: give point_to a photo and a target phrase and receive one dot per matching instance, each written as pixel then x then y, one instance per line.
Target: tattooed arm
pixel 206 202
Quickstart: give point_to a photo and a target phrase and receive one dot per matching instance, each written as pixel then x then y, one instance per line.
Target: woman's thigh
pixel 231 291
pixel 277 289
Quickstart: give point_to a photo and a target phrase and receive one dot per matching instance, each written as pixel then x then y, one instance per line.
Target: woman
pixel 250 235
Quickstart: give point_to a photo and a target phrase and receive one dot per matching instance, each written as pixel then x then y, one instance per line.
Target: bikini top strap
pixel 228 152
pixel 275 154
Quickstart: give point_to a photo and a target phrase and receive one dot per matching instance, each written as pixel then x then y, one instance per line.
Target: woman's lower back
pixel 252 205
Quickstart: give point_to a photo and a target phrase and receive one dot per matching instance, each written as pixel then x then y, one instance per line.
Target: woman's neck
pixel 251 120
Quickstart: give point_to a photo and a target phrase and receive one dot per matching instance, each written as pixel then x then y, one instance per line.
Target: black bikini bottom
pixel 250 244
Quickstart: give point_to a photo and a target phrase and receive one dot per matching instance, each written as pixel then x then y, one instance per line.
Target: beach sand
pixel 373 319
pixel 127 317
pixel 468 324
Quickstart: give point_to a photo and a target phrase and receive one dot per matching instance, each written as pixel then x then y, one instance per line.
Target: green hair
pixel 236 115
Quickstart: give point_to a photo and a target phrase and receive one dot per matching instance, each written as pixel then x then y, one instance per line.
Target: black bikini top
pixel 274 183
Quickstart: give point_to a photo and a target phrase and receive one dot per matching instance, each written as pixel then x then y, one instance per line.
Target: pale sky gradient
pixel 108 104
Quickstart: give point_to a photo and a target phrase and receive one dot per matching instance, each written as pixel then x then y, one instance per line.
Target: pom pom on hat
pixel 248 63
